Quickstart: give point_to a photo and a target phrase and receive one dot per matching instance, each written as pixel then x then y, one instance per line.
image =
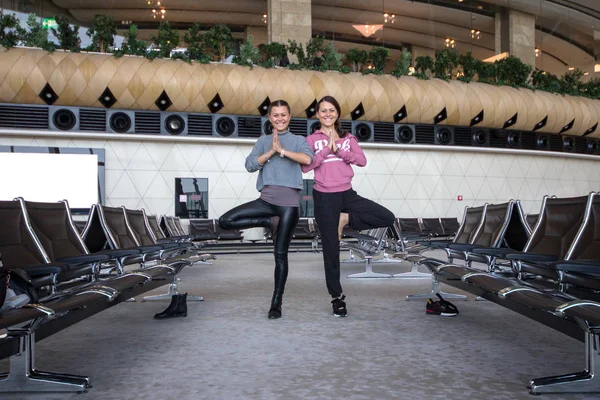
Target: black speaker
pixel 225 125
pixel 444 135
pixel 313 126
pixel 404 133
pixel 514 139
pixel 568 144
pixel 542 142
pixel 63 118
pixel 173 124
pixel 592 146
pixel 363 131
pixel 120 121
pixel 266 127
pixel 480 137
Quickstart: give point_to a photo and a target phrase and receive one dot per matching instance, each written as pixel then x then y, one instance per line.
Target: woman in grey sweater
pixel 279 183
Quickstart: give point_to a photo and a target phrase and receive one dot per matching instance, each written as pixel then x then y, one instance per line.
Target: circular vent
pixel 174 124
pixel 479 138
pixel 542 142
pixel 444 136
pixel 225 126
pixel 592 146
pixel 362 132
pixel 568 144
pixel 315 127
pixel 64 119
pixel 404 134
pixel 513 140
pixel 120 122
pixel 268 128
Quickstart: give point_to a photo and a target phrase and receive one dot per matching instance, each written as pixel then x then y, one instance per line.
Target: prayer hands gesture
pixel 276 144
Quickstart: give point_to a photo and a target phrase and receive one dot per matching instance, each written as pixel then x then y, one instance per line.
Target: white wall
pixel 411 183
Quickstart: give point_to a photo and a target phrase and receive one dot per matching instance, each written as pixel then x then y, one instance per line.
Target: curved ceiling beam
pixel 245 6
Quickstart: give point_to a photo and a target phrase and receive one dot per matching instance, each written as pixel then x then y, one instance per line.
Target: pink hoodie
pixel 333 172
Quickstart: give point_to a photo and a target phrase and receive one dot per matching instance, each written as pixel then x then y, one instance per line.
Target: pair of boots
pixel 177 308
pixel 275 311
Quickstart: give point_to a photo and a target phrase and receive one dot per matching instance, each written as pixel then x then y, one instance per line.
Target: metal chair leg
pixel 435 289
pixel 173 290
pixel 369 273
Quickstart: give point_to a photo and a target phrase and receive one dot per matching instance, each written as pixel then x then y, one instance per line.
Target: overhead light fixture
pixel 475 34
pixel 450 43
pixel 367 30
pixel 586 73
pixel 265 18
pixel 537 52
pixel 389 18
pixel 571 68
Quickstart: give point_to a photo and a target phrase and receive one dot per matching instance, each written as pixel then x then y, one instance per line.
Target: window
pixel 191 197
pixel 307 205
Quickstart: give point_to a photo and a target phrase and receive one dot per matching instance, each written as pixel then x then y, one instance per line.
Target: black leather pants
pixel 258 213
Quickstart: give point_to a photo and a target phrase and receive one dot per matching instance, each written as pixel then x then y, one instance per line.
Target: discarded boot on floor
pixel 275 311
pixel 177 308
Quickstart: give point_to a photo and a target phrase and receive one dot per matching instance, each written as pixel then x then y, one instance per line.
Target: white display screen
pixel 50 178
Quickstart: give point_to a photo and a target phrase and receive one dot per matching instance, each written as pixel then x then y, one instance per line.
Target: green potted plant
pixel 220 38
pixel 358 58
pixel 166 39
pixel 196 43
pixel 512 71
pixel 102 32
pixel 486 72
pixel 469 66
pixel 296 49
pixel 402 64
pixel 275 52
pixel 249 54
pixel 9 36
pixel 35 35
pixel 332 60
pixel 422 65
pixel 68 38
pixel 378 55
pixel 445 62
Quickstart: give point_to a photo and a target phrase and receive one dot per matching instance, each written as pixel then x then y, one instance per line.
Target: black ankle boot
pixel 275 311
pixel 177 308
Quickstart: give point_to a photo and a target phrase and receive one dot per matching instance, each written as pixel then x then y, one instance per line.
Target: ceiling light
pixel 367 30
pixel 571 68
pixel 265 18
pixel 475 34
pixel 450 43
pixel 389 18
pixel 537 52
pixel 586 73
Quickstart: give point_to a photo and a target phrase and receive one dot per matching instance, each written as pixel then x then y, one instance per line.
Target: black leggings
pixel 363 213
pixel 258 213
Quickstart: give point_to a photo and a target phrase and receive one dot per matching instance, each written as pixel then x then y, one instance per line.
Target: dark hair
pixel 338 124
pixel 278 103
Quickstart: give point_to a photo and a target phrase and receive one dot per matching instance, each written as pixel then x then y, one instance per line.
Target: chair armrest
pixel 519 256
pixel 118 253
pixel 150 249
pixel 83 259
pixel 40 270
pixel 438 244
pixel 582 266
pixel 491 251
pixel 361 236
pixel 461 246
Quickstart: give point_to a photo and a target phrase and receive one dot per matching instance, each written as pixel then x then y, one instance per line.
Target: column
pixel 515 34
pixel 290 19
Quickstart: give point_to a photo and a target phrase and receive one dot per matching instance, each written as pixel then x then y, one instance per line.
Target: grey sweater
pixel 279 171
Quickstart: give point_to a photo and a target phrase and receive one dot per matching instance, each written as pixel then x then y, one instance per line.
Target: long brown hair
pixel 338 124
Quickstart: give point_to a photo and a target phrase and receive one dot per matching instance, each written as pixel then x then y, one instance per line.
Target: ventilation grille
pixel 498 138
pixel 147 122
pixel 249 127
pixel 92 120
pixel 555 142
pixel 384 132
pixel 424 134
pixel 462 136
pixel 528 140
pixel 347 126
pixel 24 117
pixel 299 126
pixel 581 145
pixel 200 125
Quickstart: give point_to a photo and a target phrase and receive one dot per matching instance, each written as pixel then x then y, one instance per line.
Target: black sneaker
pixel 339 306
pixel 441 307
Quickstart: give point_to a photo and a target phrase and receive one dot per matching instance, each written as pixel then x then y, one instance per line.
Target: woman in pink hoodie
pixel 336 203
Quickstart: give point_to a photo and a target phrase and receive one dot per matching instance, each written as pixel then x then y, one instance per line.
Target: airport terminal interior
pixel 299 199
